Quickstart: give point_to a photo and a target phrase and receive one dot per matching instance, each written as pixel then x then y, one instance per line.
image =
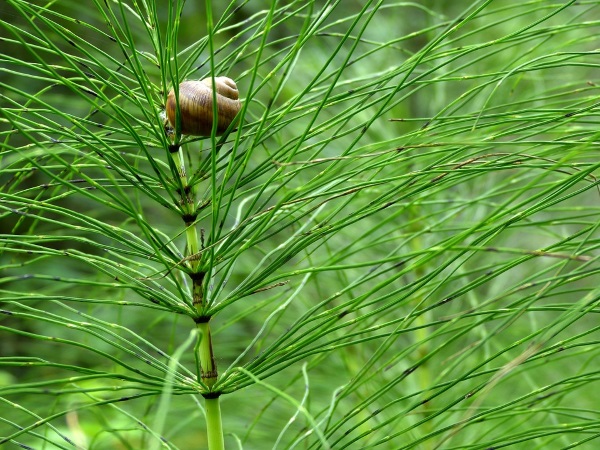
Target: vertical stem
pixel 207 373
pixel 214 424
pixel 205 355
pixel 205 360
pixel 192 244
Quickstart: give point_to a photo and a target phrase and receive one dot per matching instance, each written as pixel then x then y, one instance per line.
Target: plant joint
pixel 202 319
pixel 189 218
pixel 196 276
pixel 211 395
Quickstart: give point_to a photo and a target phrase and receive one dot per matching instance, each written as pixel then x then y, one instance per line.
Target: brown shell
pixel 196 108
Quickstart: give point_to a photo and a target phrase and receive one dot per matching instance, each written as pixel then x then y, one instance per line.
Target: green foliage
pixel 399 240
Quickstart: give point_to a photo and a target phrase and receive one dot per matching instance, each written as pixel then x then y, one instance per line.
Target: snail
pixel 196 106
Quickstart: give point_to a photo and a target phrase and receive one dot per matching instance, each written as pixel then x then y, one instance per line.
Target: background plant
pixel 399 239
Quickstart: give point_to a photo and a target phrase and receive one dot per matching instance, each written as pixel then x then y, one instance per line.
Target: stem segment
pixel 214 425
pixel 205 360
pixel 205 355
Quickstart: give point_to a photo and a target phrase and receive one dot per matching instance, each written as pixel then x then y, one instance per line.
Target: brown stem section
pixel 198 291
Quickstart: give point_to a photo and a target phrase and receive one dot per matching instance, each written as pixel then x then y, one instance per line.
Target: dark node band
pixel 197 276
pixel 189 218
pixel 210 395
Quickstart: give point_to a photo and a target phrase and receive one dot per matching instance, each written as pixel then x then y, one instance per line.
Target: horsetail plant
pixel 386 239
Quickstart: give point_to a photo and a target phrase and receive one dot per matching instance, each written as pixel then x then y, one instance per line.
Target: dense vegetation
pixel 395 247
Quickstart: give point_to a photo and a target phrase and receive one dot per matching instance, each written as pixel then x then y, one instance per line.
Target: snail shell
pixel 196 106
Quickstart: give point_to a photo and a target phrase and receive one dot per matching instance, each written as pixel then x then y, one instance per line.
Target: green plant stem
pixel 188 206
pixel 205 355
pixel 187 198
pixel 205 361
pixel 208 375
pixel 214 424
pixel 193 247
